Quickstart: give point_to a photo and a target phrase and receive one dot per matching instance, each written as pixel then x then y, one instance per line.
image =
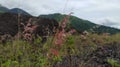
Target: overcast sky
pixel 105 12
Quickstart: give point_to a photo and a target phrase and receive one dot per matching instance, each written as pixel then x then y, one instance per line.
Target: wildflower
pixel 72 31
pixel 48 56
pixel 60 37
pixel 54 52
pixel 28 30
pixel 61 34
pixel 28 37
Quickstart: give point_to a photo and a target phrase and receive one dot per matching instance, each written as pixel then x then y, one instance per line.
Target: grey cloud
pixel 110 23
pixel 93 10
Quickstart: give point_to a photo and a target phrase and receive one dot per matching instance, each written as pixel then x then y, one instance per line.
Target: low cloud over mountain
pixel 92 10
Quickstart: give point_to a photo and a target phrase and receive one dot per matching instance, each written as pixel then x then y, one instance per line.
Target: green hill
pixel 18 10
pixel 79 24
pixel 14 10
pixel 83 25
pixel 3 9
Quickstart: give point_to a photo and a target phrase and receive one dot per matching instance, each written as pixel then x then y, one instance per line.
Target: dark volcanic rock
pixel 100 56
pixel 9 24
pixel 97 58
pixel 68 61
pixel 46 26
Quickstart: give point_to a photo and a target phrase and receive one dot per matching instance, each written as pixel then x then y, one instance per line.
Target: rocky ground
pixel 97 58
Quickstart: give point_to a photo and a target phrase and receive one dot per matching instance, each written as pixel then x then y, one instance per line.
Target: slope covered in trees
pixel 83 25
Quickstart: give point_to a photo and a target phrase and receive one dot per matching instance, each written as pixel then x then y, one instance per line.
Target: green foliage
pixel 3 9
pixel 113 62
pixel 20 53
pixel 10 63
pixel 38 41
pixel 81 25
pixel 6 64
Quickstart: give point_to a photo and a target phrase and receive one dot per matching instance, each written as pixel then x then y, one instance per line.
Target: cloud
pixel 35 7
pixel 110 21
pixel 93 10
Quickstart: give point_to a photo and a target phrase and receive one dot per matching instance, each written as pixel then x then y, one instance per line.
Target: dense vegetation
pixel 82 25
pixel 74 22
pixel 92 51
pixel 89 46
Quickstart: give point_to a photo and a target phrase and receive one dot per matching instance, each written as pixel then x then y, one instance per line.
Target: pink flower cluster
pixel 54 52
pixel 60 36
pixel 28 30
